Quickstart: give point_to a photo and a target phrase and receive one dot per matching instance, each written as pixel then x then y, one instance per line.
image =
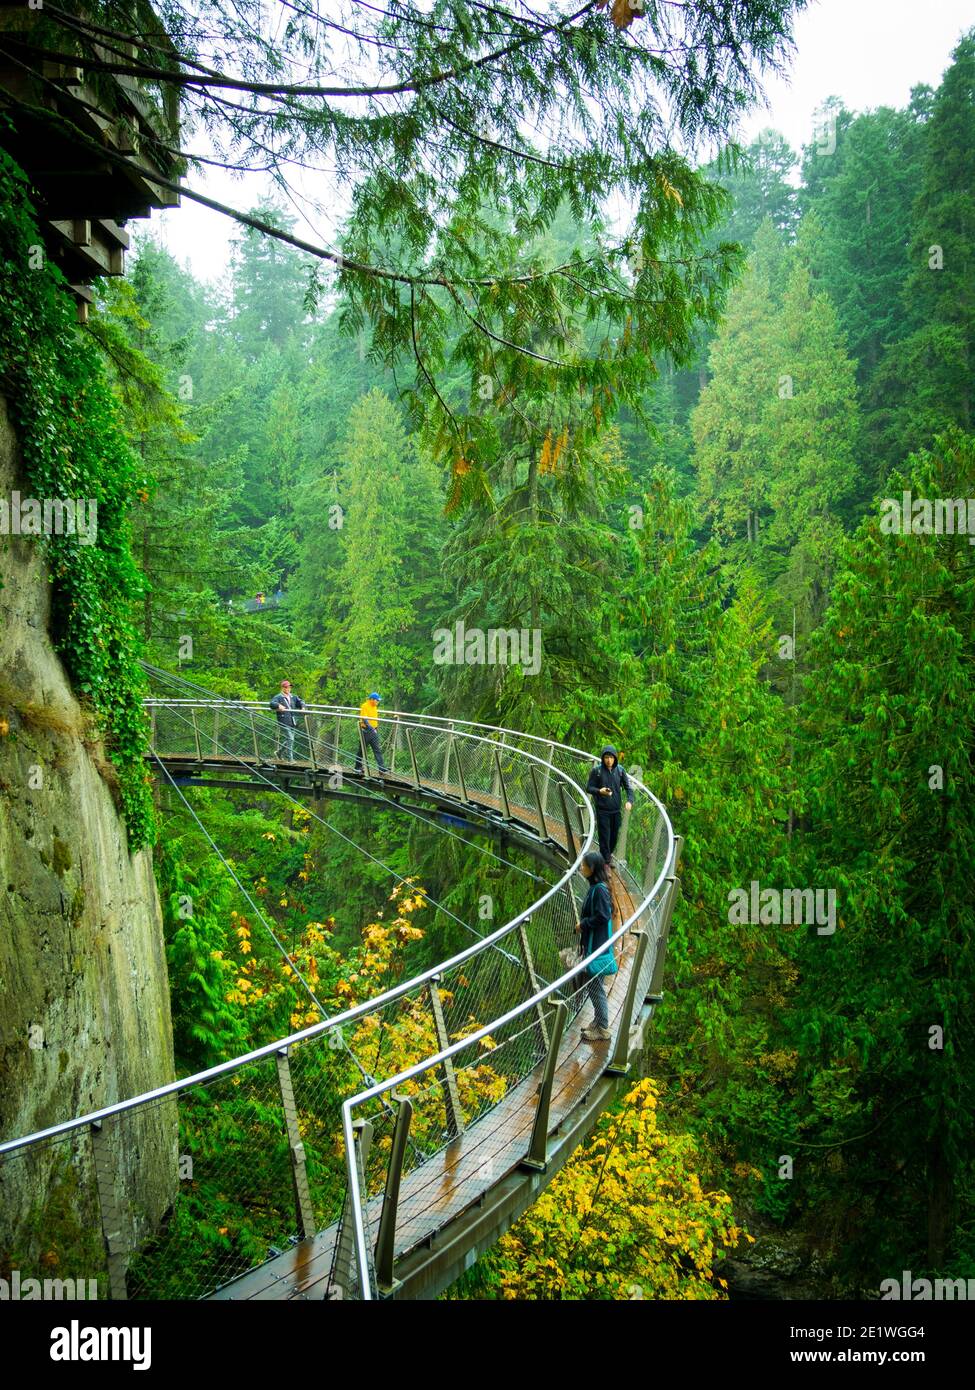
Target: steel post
pixel 538 1148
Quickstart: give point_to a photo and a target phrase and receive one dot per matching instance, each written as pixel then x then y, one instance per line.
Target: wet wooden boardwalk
pixel 441 1189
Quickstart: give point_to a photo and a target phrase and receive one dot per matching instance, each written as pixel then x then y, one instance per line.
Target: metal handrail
pixel 393 716
pixel 381 1088
pixel 499 740
pixel 338 1020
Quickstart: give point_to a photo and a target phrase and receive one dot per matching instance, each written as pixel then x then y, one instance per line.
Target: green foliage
pixel 72 446
pixel 761 188
pixel 690 708
pixel 557 457
pixel 775 431
pixel 925 381
pixel 888 720
pixel 387 589
pixel 196 906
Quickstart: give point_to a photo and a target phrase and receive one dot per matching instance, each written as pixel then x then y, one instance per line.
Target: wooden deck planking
pixel 445 1186
pixel 440 1189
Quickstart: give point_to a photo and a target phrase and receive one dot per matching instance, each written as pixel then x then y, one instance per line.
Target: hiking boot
pixel 596 1034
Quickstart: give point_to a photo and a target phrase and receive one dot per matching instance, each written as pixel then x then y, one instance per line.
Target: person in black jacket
pixel 284 704
pixel 594 924
pixel 605 781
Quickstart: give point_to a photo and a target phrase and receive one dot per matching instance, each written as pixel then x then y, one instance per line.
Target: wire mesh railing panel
pixel 234 1208
pixel 322 1072
pixel 252 1158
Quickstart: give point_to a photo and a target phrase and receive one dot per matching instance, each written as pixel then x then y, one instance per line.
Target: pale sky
pixel 867 52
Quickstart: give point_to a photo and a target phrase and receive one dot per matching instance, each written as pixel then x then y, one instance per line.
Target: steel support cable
pixel 511 959
pixel 178 681
pixel 498 949
pixel 487 986
pixel 252 770
pixel 157 673
pixel 380 796
pixel 437 723
pixel 366 1076
pixel 216 849
pixel 268 1049
pixel 255 771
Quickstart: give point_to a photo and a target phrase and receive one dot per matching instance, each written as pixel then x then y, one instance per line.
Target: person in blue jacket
pixel 606 783
pixel 595 925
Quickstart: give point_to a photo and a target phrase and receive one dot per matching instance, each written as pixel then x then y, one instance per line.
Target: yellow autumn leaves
pixel 621 12
pixel 629 1211
pixel 551 450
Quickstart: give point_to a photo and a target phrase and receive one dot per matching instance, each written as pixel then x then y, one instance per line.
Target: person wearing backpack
pixel 596 927
pixel 605 782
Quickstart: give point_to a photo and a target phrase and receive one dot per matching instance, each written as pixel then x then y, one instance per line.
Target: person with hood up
pixel 369 731
pixel 605 781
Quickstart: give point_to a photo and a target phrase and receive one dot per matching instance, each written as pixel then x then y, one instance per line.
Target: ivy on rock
pixel 72 446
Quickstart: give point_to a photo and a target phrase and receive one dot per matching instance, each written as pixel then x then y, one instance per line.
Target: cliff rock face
pixel 84 997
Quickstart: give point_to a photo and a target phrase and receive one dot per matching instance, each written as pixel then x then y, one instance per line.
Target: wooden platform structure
pixel 418 1208
pixel 88 143
pixel 462 1188
pixel 459 1201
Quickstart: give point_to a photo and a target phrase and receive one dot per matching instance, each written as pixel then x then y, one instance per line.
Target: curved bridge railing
pixel 328 1162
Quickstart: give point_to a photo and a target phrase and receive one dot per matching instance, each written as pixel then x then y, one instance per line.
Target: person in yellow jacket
pixel 369 733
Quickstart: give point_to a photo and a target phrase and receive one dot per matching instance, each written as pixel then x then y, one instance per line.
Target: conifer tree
pixel 776 429
pixel 926 378
pixel 379 628
pixel 887 1001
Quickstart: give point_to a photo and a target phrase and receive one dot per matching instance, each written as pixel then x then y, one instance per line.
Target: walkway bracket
pixel 506 804
pixel 539 802
pixel 304 1209
pixel 395 749
pixel 345 1262
pixel 446 756
pixel 538 1149
pixel 570 839
pixel 455 1116
pixel 386 1242
pixel 656 981
pixel 416 769
pixel 460 777
pixel 619 1064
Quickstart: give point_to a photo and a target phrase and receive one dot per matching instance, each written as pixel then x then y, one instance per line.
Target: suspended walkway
pixel 378 1152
